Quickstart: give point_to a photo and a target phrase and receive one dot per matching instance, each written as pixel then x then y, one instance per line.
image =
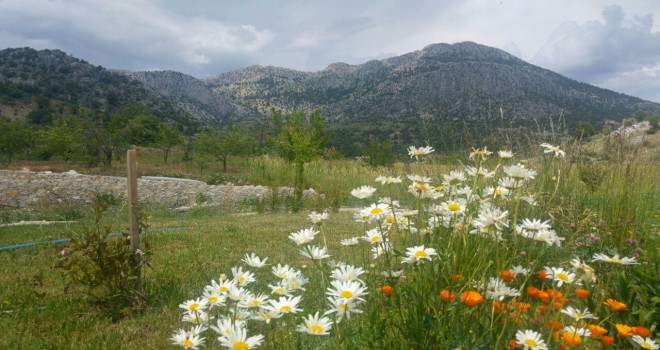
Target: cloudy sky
pixel 614 44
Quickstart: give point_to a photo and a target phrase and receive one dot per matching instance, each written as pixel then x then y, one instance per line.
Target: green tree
pixel 300 139
pixel 222 144
pixel 61 139
pixel 16 138
pixel 169 137
pixel 584 130
pixel 379 154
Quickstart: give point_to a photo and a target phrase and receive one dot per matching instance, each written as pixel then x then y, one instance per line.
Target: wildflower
pixel 419 152
pixel 496 192
pixel 519 270
pixel 643 331
pixel 363 192
pixel 422 190
pixel 508 183
pixel 303 236
pixel 222 287
pixel 616 305
pixel 214 298
pixel 266 315
pixel 615 259
pixel 375 212
pixel 418 254
pixel 318 218
pixel 479 172
pixel 374 236
pixel 237 293
pixel 589 272
pixel 519 172
pixel 577 314
pixel 607 340
pixel 471 298
pixel 194 305
pixel 314 252
pixel 491 217
pixel 530 339
pixel 251 301
pixel 480 153
pixel 559 275
pixel 349 241
pixel 349 290
pixel 393 274
pixel 596 330
pixel 623 330
pixel 582 293
pixel 418 178
pixel 283 271
pixel 380 249
pixel 447 296
pixel 386 180
pixel 553 149
pixel 497 289
pixel 505 154
pixel 196 317
pixel 342 307
pixel 387 290
pixel 507 275
pixel 315 325
pixel 645 343
pixel 533 291
pixel 242 278
pixel 254 261
pixel 583 332
pixel 571 339
pixel 187 339
pixel 237 339
pixel 285 305
pixel 347 273
pixel 533 225
pixel 454 178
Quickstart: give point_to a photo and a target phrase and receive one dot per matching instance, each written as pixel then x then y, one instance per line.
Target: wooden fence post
pixel 133 220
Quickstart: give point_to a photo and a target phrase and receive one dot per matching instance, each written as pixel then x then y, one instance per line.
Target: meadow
pixel 478 250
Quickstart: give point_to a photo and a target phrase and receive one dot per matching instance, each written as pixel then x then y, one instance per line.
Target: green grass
pixel 622 203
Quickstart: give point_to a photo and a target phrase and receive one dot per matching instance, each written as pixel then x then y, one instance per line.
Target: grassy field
pixel 597 201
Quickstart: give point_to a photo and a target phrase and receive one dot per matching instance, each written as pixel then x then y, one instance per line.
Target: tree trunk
pixel 298 183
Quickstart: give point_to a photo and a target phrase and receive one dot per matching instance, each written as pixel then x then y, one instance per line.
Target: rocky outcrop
pixel 26 188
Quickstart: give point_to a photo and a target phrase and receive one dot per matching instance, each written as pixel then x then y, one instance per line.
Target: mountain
pixel 442 81
pixel 463 81
pixel 36 84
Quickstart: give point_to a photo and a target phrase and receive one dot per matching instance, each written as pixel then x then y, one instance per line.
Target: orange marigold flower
pixel 616 305
pixel 582 293
pixel 533 292
pixel 596 330
pixel 607 340
pixel 507 275
pixel 641 331
pixel 571 339
pixel 513 344
pixel 623 330
pixel 542 274
pixel 543 308
pixel 523 306
pixel 447 296
pixel 387 290
pixel 544 296
pixel 458 277
pixel 498 306
pixel 471 298
pixel 555 325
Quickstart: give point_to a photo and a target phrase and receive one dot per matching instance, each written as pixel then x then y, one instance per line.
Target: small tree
pixel 379 154
pixel 16 137
pixel 222 144
pixel 169 137
pixel 584 130
pixel 299 139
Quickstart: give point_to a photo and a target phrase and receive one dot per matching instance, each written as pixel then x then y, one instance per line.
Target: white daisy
pixel 363 192
pixel 237 339
pixel 418 254
pixel 530 339
pixel 314 252
pixel 254 261
pixel 548 148
pixel 303 236
pixel 315 325
pixel 614 259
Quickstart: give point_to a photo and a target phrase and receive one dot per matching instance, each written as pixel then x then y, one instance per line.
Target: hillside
pixel 39 84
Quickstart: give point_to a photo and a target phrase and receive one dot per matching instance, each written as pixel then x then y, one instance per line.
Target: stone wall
pixel 26 188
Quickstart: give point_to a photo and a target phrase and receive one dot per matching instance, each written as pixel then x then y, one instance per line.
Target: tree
pixel 222 144
pixel 584 130
pixel 379 153
pixel 61 139
pixel 300 139
pixel 16 137
pixel 169 137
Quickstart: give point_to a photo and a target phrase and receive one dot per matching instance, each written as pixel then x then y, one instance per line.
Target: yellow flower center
pixel 375 238
pixel 187 343
pixel 213 300
pixel 280 291
pixel 421 254
pixel 375 211
pixel 579 315
pixel 241 279
pixel 285 308
pixel 316 329
pixel 343 307
pixel 531 343
pixel 646 345
pixel 240 345
pixel 498 191
pixel 454 207
pixel 193 306
pixel 224 289
pixel 347 294
pixel 255 302
pixel 562 277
